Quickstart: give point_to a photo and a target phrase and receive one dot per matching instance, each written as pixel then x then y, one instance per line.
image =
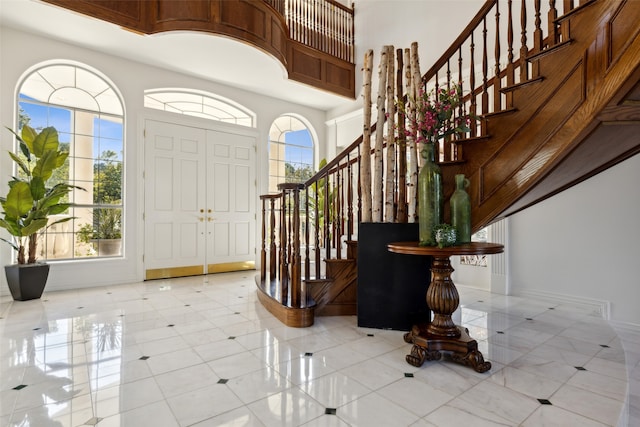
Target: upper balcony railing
pixel 324 25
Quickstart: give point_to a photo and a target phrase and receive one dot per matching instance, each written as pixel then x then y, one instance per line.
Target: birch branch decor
pixel 390 173
pixel 376 209
pixel 365 153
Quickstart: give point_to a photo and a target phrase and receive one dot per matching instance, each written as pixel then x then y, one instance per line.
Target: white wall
pixel 19 51
pixel 583 244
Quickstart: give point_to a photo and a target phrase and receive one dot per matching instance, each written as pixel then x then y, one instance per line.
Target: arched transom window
pixel 290 152
pixel 88 114
pixel 199 104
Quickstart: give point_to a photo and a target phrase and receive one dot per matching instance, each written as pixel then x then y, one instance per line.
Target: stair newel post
pixel 552 37
pixel 263 249
pixel 524 68
pixel 273 259
pixel 510 70
pixel 485 69
pixel 284 248
pixel 497 81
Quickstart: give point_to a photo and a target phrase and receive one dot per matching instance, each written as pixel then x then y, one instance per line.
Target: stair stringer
pixel 336 294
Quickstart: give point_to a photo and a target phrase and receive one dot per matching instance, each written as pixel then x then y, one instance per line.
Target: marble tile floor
pixel 202 351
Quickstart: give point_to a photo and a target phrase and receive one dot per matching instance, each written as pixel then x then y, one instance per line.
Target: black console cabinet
pixel 391 287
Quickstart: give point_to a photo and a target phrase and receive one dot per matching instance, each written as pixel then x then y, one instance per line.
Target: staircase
pixel 558 94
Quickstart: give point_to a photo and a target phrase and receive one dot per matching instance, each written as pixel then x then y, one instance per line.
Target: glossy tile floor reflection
pixel 202 351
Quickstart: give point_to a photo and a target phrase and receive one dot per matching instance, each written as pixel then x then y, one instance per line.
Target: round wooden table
pixel 441 334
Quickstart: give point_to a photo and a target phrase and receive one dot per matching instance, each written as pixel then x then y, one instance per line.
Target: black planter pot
pixel 26 281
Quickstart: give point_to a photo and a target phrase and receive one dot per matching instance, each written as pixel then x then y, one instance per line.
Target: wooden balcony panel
pixel 253 22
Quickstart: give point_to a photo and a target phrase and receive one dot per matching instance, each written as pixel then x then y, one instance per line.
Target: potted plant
pixel 29 204
pixel 105 233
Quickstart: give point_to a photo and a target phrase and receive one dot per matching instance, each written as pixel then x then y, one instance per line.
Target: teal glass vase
pixel 430 198
pixel 460 206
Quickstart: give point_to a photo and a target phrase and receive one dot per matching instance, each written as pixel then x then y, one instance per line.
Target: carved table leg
pixel 430 339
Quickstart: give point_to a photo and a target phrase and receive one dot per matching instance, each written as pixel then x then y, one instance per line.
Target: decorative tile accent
pixel 36 329
pixel 80 308
pixel 500 332
pixel 144 299
pixel 580 368
pixel 528 318
pixel 222 381
pixel 408 375
pixel 144 358
pixel 237 312
pixel 93 421
pixel 330 411
pixel 20 387
pixel 544 402
pixel 550 308
pixel 231 338
pixel 370 335
pixel 187 305
pixel 604 346
pixel 308 354
pixel 171 325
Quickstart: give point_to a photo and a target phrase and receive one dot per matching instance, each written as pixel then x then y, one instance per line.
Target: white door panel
pixel 199 200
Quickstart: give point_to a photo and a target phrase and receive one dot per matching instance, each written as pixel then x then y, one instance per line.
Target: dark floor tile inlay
pixel 222 381
pixel 544 401
pixel 408 375
pixel 370 335
pixel 604 346
pixel 144 358
pixel 500 332
pixel 580 368
pixel 232 338
pixel 20 387
pixel 330 411
pixel 308 354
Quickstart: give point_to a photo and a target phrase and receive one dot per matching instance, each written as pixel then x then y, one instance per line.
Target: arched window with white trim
pixel 291 151
pixel 201 104
pixel 87 111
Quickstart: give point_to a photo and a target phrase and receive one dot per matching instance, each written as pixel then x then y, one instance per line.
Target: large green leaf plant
pixel 29 202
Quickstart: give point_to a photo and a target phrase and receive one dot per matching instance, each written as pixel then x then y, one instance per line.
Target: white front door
pixel 199 201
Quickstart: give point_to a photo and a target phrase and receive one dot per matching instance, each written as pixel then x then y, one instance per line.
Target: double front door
pixel 199 201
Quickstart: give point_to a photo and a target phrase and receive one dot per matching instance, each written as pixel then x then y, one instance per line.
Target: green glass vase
pixel 460 205
pixel 430 198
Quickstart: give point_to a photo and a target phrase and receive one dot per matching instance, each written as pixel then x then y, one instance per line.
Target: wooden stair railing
pixel 556 85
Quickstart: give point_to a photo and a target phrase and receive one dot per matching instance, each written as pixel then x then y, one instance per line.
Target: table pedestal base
pixel 428 346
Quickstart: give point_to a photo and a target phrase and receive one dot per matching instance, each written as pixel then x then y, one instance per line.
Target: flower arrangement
pixel 435 116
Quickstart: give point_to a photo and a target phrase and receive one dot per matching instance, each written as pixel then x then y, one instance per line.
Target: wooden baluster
pixel 359 187
pixel 284 267
pixel 349 198
pixel 485 69
pixel 472 83
pixel 552 38
pixel 263 250
pixel 456 154
pixel 296 280
pixel 537 40
pixel 524 67
pixel 273 258
pixel 338 221
pixel 316 249
pixel 446 143
pixel 307 261
pixel 497 81
pixel 565 31
pixel 510 69
pixel 327 234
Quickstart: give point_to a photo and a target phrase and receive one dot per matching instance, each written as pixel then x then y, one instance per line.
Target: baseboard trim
pixel 627 326
pixel 601 307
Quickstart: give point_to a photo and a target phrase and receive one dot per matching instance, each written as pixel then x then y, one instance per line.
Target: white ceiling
pixel 202 55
